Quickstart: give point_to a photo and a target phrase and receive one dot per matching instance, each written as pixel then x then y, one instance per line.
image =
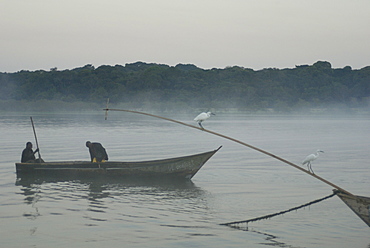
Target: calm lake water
pixel 236 184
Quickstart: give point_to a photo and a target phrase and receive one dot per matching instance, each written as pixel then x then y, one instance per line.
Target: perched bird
pixel 202 117
pixel 311 158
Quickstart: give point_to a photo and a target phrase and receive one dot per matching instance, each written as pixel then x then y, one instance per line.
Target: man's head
pixel 29 145
pixel 88 143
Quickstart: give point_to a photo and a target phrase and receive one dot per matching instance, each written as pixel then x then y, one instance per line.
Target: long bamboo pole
pixel 106 112
pixel 237 141
pixel 37 143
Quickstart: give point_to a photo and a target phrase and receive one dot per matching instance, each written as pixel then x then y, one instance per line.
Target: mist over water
pixel 236 184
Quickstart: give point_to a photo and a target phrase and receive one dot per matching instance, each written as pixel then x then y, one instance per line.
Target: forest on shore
pixel 185 86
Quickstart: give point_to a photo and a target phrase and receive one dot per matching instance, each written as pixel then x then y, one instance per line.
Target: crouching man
pixel 97 152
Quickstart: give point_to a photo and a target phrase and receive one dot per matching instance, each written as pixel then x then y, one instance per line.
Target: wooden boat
pixel 180 167
pixel 359 204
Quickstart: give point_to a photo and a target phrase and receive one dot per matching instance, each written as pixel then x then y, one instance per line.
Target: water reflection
pixel 107 195
pixel 99 183
pixel 270 238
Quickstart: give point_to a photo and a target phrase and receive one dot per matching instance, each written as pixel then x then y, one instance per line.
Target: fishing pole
pixel 237 141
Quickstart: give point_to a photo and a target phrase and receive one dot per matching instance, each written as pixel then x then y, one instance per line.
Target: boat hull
pixel 184 167
pixel 360 205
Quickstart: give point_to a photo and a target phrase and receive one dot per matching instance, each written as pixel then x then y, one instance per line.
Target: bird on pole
pixel 311 158
pixel 202 117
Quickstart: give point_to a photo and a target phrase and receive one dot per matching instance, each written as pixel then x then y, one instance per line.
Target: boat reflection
pixel 95 188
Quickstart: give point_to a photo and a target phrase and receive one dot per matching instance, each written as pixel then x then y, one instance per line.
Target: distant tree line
pixel 161 86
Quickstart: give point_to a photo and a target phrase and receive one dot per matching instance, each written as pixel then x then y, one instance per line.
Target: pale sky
pixel 43 34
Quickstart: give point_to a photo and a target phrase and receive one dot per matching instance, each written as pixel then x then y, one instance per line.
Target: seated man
pixel 97 152
pixel 28 155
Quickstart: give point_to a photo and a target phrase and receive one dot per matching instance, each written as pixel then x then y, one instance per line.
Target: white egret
pixel 311 158
pixel 202 117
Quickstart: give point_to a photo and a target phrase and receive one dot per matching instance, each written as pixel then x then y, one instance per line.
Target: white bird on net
pixel 311 158
pixel 202 117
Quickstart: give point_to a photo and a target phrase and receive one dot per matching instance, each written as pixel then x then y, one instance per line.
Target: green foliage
pixel 187 86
